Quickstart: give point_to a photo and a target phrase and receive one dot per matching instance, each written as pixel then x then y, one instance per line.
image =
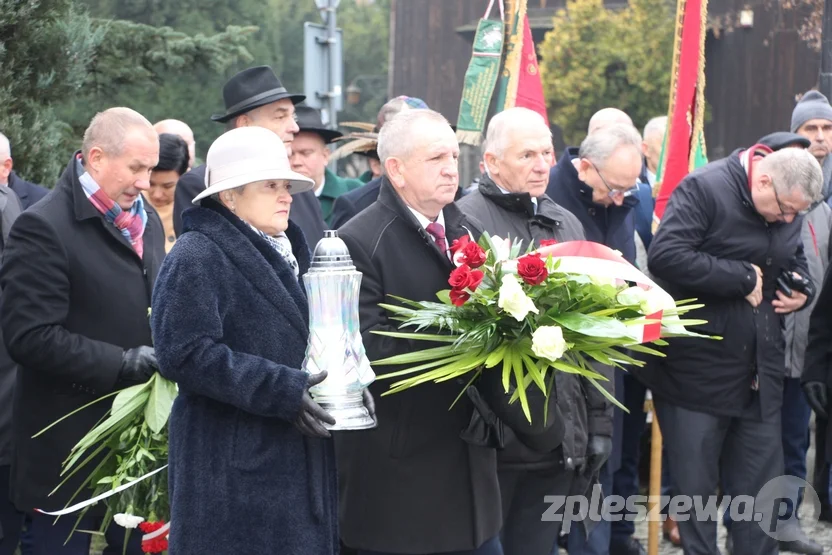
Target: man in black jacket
pixel 511 201
pixel 77 275
pixel 413 485
pixel 10 518
pixel 255 97
pixel 731 230
pixel 27 193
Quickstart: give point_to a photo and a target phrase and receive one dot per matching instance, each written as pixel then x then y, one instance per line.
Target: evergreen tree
pixel 46 48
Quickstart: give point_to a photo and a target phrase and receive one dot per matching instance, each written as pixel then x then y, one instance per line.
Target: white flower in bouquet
pixel 127 520
pixel 548 342
pixel 502 248
pixel 603 280
pixel 510 266
pixel 649 302
pixel 513 299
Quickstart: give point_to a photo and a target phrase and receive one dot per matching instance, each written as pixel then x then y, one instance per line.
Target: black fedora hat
pixel 251 88
pixel 309 121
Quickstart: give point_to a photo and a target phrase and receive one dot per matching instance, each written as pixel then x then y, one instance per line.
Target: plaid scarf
pixel 282 245
pixel 131 224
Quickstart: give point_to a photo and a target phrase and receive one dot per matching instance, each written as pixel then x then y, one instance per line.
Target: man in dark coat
pixel 10 518
pixel 310 156
pixel 511 202
pixel 255 96
pixel 27 193
pixel 597 184
pixel 413 485
pixel 730 230
pixel 74 313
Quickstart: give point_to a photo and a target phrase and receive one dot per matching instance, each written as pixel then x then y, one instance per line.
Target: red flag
pixel 684 127
pixel 529 86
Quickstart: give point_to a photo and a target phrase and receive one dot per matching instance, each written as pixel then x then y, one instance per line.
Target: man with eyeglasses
pixel 597 181
pixel 731 238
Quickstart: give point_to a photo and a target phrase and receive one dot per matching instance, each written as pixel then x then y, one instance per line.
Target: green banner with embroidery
pixel 480 80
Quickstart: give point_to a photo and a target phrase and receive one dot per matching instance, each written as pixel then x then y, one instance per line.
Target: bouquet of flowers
pixel 554 309
pixel 129 448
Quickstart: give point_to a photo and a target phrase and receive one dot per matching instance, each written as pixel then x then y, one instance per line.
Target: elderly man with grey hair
pixel 413 485
pixel 731 237
pixel 27 193
pixel 511 201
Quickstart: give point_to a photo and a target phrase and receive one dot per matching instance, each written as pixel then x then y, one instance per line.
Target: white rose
pixel 513 300
pixel 649 302
pixel 127 520
pixel 603 280
pixel 548 342
pixel 653 302
pixel 632 296
pixel 510 266
pixel 502 248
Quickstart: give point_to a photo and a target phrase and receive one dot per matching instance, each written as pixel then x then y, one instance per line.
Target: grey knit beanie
pixel 813 105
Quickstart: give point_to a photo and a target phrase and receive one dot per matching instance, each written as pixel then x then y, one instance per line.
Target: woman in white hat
pixel 252 468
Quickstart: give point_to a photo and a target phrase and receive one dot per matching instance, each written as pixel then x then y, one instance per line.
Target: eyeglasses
pixel 788 212
pixel 613 193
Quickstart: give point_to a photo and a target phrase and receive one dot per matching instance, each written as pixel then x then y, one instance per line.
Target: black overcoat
pixel 75 296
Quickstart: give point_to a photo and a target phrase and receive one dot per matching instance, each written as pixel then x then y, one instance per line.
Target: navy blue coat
pixel 613 226
pixel 27 192
pixel 230 326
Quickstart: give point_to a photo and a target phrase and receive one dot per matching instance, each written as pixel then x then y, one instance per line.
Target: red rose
pixel 458 298
pixel 473 255
pixel 476 279
pixel 532 269
pixel 465 278
pixel 547 242
pixel 460 243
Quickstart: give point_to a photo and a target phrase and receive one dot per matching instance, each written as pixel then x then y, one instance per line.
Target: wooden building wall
pixel 753 75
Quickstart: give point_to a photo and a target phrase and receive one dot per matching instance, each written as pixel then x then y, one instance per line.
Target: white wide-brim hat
pixel 246 155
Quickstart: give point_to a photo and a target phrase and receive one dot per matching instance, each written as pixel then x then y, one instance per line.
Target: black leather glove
pixel 816 396
pixel 138 365
pixel 369 403
pixel 311 415
pixel 598 449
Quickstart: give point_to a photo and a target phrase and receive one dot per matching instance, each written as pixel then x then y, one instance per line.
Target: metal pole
pixel 331 37
pixel 826 51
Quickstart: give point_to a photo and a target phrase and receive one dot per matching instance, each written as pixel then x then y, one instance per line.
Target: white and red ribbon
pixel 595 259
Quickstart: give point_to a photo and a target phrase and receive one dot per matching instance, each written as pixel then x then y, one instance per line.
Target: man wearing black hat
pixel 310 156
pixel 255 97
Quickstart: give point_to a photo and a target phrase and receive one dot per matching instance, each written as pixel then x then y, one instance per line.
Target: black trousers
pixel 523 495
pixel 10 519
pixel 43 535
pixel 700 447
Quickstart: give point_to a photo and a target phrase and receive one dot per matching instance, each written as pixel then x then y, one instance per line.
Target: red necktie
pixel 438 233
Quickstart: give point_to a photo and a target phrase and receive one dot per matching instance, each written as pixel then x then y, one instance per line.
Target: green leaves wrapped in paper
pixel 556 309
pixel 125 456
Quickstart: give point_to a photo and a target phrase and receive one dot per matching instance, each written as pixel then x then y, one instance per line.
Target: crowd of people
pixel 142 260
